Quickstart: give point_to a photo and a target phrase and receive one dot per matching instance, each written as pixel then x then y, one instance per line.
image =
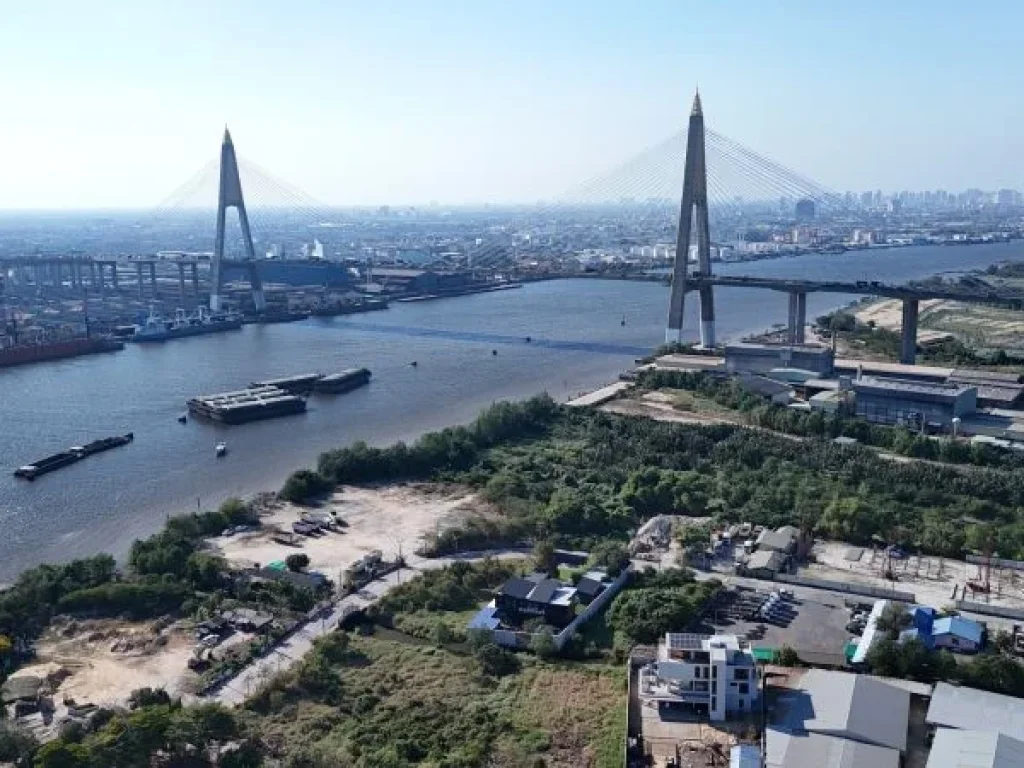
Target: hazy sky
pixel 117 102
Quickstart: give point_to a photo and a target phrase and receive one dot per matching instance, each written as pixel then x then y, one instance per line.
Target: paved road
pixel 300 642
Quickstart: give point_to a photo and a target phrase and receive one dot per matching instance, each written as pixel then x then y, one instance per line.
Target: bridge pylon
pixel 693 215
pixel 230 196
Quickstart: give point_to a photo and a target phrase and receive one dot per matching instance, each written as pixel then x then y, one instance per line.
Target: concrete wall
pixel 848 587
pixel 521 640
pixel 591 610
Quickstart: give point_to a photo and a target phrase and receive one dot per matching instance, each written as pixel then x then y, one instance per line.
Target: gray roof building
pixel 782 540
pixel 849 706
pixel 766 560
pixel 816 750
pixel 975 749
pixel 970 709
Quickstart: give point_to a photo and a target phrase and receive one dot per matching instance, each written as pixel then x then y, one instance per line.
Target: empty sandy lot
pixel 107 677
pixel 386 518
pixel 662 406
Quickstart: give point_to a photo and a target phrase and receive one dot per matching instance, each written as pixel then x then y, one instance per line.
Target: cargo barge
pixel 72 455
pixel 245 405
pixel 296 385
pixel 23 354
pixel 345 381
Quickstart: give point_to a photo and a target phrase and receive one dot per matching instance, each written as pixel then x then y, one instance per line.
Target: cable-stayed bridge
pixel 717 184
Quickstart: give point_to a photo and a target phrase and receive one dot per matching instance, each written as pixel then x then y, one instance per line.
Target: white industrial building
pixel 713 674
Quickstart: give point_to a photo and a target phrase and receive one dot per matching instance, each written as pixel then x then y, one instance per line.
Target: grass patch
pixel 403 705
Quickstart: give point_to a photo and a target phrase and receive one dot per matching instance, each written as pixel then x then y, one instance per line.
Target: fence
pixel 998 562
pixel 511 639
pixel 990 610
pixel 591 610
pixel 848 587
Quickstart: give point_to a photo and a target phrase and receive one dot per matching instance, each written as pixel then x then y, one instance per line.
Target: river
pixel 578 342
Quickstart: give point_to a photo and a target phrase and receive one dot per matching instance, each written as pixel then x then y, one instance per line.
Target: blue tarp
pixel 485 619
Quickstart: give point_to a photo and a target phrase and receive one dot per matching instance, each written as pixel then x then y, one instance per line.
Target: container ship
pixel 156 328
pixel 70 456
pixel 24 353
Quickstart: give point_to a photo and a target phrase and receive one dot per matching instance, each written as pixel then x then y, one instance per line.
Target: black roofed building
pixel 521 598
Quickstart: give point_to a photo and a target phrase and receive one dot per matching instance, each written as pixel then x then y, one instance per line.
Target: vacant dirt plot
pixel 978 325
pixel 888 314
pixel 386 518
pixel 930 578
pixel 108 659
pixel 679 407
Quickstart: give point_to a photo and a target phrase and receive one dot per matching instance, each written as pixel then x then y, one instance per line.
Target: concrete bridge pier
pixel 706 298
pixel 797 317
pixel 195 279
pixel 113 276
pixel 181 282
pixel 138 270
pixel 908 338
pixel 152 278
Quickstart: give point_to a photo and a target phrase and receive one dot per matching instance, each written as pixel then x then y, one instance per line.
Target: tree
pixel 144 697
pixel 613 556
pixel 543 644
pixel 894 619
pixel 297 562
pixel 787 657
pixel 57 754
pixel 496 661
pixel 544 558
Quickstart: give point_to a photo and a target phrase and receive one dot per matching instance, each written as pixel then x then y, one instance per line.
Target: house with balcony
pixel 712 675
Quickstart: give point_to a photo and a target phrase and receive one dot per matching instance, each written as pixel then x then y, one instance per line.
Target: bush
pixel 297 562
pixel 140 600
pixel 496 661
pixel 303 485
pixel 144 697
pixel 543 644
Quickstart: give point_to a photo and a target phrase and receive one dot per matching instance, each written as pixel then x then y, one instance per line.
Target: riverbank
pixel 577 344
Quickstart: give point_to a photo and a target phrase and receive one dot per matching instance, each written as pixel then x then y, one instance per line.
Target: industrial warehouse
pixel 985 406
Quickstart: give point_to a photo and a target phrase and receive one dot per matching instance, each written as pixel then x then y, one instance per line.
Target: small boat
pixel 529 339
pixel 413 363
pixel 221 449
pixel 623 320
pixel 494 351
pixel 183 418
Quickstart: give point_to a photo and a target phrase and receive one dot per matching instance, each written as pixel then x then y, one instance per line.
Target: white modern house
pixel 712 674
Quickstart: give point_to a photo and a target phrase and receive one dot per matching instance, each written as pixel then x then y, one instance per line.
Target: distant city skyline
pixel 115 106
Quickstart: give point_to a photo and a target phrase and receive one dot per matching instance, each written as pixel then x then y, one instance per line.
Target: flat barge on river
pixel 336 383
pixel 70 456
pixel 245 405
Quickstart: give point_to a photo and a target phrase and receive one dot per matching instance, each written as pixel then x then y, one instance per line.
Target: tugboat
pixel 221 449
pixel 183 418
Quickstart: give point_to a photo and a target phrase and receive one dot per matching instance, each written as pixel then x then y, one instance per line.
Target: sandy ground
pixel 82 665
pixel 888 314
pixel 930 578
pixel 661 407
pixel 386 518
pixel 978 325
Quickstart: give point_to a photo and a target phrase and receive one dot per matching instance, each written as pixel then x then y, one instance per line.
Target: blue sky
pixel 114 103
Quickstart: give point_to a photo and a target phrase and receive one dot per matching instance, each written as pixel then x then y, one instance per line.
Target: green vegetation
pixel 658 602
pixel 881 342
pixel 863 337
pixel 402 704
pixel 992 670
pixel 757 412
pixel 304 485
pixel 180 736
